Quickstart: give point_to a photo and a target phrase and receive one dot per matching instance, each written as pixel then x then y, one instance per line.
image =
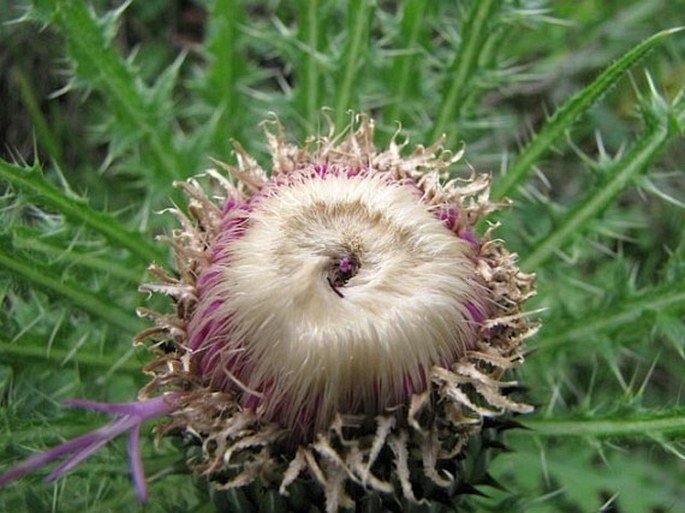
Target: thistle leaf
pixel 619 175
pixel 31 180
pixel 564 117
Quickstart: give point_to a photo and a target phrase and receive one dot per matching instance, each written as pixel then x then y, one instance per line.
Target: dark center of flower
pixel 341 271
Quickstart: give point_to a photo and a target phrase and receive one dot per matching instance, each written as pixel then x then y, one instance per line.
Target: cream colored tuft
pixel 359 348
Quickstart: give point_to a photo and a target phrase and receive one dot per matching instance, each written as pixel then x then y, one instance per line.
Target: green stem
pixel 582 330
pixel 358 27
pixel 562 119
pixel 671 424
pixel 413 20
pixel 22 352
pixel 32 181
pixel 462 70
pixel 43 278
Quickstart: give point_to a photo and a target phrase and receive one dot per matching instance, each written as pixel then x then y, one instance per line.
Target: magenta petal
pixel 104 435
pixel 130 417
pixel 476 311
pixel 146 409
pixel 40 459
pixel 75 459
pixel 136 459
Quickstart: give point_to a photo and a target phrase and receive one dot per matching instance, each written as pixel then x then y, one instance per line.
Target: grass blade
pixel 413 21
pixel 45 137
pixel 310 93
pixel 359 13
pixel 465 63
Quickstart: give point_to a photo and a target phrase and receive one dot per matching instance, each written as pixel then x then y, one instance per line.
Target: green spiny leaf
pixel 564 117
pixel 582 329
pixel 98 65
pixel 619 175
pixel 34 351
pixel 43 278
pixel 32 181
pixel 224 69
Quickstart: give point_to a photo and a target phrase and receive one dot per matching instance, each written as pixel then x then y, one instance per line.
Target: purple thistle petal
pixel 103 436
pixel 468 236
pixel 345 264
pixel 147 409
pixel 74 460
pixel 130 417
pixel 136 459
pixel 40 459
pixel 476 311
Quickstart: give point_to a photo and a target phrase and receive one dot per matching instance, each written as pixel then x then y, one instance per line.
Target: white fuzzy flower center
pixel 342 294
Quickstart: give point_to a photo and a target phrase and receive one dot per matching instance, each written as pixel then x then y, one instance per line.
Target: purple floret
pixel 346 265
pixel 130 416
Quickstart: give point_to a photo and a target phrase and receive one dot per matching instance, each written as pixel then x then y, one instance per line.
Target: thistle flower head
pixel 340 310
pixel 337 321
pixel 333 289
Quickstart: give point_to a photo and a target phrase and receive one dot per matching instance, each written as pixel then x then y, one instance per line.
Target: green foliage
pixel 576 107
pixel 630 478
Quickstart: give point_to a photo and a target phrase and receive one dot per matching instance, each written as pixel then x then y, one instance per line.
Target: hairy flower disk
pixel 279 312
